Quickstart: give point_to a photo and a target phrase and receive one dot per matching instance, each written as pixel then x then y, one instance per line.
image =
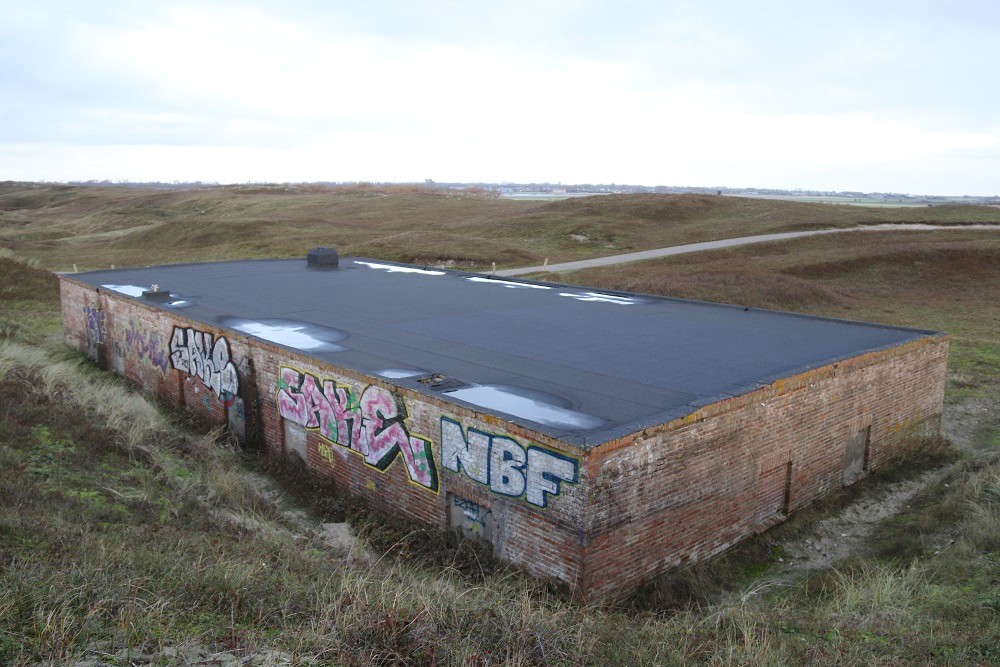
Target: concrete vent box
pixel 323 258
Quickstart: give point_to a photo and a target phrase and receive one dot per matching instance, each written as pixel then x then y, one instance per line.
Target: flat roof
pixel 582 365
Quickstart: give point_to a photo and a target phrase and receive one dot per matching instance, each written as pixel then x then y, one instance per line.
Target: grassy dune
pixel 129 535
pixel 96 227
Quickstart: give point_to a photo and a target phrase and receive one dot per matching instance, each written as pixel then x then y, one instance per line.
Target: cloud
pixel 657 93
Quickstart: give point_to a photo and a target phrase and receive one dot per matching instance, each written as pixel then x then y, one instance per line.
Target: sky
pixel 873 96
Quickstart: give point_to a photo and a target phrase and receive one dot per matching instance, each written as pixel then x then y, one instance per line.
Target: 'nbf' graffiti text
pixel 502 464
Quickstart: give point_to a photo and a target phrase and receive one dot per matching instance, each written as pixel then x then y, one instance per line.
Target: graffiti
pixel 198 354
pixel 95 323
pixel 502 464
pixel 373 425
pixel 472 519
pixel 148 347
pixel 325 452
pixel 471 511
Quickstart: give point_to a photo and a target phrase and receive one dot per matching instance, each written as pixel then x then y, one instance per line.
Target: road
pixel 715 245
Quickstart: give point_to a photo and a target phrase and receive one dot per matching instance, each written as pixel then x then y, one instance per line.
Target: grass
pixel 95 227
pixel 113 535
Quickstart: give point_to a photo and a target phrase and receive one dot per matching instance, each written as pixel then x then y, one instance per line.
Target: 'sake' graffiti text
pixel 373 425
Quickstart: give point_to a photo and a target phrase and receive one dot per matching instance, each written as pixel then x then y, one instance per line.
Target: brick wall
pixel 696 486
pixel 621 513
pixel 76 299
pixel 542 540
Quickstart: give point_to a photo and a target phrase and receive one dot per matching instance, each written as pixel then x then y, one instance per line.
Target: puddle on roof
pixel 506 283
pixel 392 268
pixel 131 290
pixel 526 404
pixel 136 291
pixel 399 373
pixel 290 333
pixel 601 297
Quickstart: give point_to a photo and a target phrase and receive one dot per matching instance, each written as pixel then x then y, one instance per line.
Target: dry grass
pixel 95 227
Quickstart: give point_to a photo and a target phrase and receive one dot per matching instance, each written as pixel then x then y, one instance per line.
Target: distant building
pixel 593 437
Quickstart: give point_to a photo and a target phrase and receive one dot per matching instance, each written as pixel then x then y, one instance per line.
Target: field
pixel 130 535
pixel 841 200
pixel 95 227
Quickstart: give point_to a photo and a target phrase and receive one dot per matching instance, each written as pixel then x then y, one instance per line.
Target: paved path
pixel 715 245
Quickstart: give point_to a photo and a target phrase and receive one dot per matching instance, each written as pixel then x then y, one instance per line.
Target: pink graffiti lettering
pixel 308 406
pixel 374 426
pixel 348 418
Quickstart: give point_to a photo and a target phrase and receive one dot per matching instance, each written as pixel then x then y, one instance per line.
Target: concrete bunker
pixel 594 437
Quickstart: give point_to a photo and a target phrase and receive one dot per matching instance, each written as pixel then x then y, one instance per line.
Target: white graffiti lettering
pixel 200 355
pixel 469 455
pixel 502 464
pixel 507 461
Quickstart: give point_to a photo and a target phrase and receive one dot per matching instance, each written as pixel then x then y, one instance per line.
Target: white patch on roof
pixel 289 335
pixel 399 373
pixel 136 291
pixel 131 290
pixel 598 296
pixel 506 283
pixel 392 268
pixel 495 398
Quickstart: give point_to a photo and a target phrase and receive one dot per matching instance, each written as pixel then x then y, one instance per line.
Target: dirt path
pixel 834 538
pixel 715 245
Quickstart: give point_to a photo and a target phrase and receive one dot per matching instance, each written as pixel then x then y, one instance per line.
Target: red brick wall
pixel 544 541
pixel 696 486
pixel 137 345
pixel 74 298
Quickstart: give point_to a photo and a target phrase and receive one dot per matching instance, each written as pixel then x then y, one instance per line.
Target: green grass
pixel 113 529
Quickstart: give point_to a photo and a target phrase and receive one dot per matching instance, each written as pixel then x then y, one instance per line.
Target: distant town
pixel 559 190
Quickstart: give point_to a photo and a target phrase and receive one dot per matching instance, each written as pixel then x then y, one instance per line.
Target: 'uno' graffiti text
pixel 198 354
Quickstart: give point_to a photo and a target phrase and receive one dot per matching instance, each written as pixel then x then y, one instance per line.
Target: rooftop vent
pixel 442 383
pixel 323 258
pixel 154 293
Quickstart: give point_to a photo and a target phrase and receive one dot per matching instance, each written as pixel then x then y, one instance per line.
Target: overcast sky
pixel 872 96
